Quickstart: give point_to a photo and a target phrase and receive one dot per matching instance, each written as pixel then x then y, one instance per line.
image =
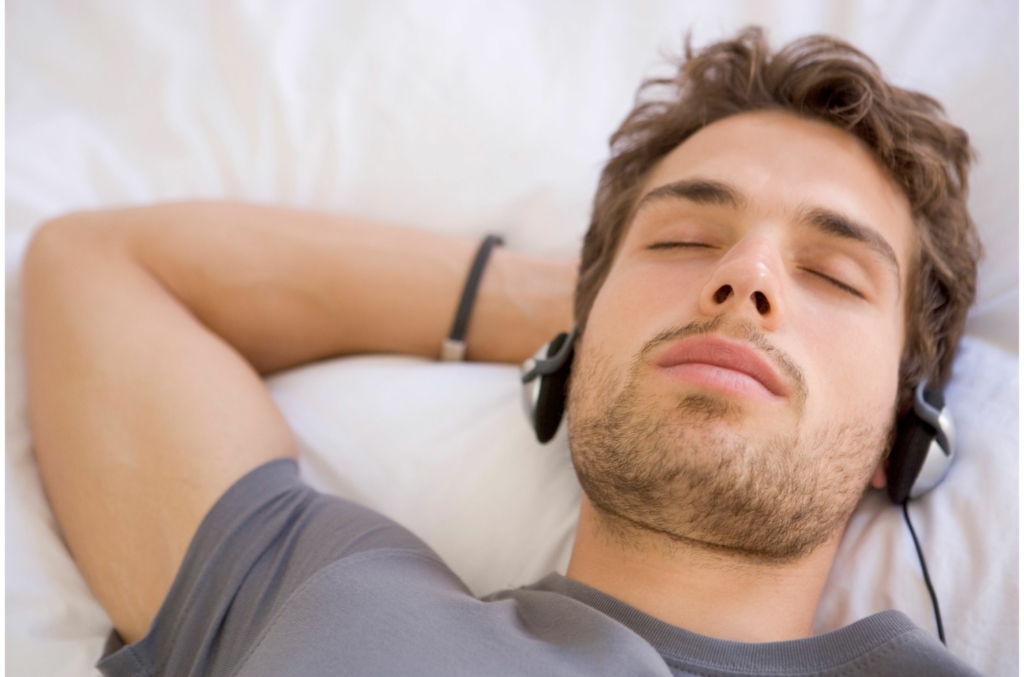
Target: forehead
pixel 781 163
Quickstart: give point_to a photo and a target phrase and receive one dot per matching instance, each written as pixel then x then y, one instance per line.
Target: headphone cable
pixel 927 578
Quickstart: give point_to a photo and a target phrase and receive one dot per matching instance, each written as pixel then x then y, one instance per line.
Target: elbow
pixel 60 238
pixel 57 249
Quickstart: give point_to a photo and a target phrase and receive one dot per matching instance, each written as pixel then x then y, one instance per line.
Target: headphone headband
pixel 541 365
pixel 545 380
pixel 930 405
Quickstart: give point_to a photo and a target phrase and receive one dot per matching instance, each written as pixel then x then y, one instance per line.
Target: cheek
pixel 634 304
pixel 640 299
pixel 856 360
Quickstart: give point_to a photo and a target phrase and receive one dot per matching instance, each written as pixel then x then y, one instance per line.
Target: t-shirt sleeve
pixel 259 543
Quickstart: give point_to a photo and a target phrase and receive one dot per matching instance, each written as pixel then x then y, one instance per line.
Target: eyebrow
pixel 825 221
pixel 698 191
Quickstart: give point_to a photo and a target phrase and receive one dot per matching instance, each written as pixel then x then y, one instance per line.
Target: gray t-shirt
pixel 283 580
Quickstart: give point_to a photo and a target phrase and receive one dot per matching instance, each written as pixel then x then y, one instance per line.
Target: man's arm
pixel 285 287
pixel 147 330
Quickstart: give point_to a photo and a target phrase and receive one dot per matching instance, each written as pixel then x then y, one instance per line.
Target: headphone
pixel 545 376
pixel 920 457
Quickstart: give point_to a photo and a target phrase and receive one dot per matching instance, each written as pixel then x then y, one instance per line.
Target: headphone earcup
pixel 914 438
pixel 550 405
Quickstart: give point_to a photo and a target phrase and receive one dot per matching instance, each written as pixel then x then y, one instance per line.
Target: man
pixel 779 253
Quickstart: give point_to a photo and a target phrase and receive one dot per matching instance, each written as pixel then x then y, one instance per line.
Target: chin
pixel 701 468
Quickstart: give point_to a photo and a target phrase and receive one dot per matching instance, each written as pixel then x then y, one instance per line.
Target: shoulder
pixel 391 611
pixel 914 653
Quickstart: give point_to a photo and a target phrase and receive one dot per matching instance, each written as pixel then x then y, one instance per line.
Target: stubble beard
pixel 686 474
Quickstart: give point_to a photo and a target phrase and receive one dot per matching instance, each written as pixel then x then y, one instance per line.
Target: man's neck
pixel 710 593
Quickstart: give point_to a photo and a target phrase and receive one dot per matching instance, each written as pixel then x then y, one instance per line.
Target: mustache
pixel 737 329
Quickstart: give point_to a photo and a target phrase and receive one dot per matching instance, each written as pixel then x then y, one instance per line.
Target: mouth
pixel 717 363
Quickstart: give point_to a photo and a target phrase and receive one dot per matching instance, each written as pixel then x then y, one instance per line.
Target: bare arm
pixel 147 330
pixel 286 287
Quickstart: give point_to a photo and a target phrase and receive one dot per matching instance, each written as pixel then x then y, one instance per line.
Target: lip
pixel 722 364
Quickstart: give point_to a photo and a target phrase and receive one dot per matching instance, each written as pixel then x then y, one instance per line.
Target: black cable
pixel 927 578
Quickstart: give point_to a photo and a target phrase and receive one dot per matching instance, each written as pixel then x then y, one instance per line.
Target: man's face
pixel 737 379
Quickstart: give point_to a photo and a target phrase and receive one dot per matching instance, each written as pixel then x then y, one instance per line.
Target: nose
pixel 747 282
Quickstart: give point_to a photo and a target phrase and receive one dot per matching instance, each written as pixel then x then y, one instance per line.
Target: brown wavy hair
pixel 823 78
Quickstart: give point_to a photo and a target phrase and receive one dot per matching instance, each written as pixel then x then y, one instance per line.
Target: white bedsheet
pixel 469 118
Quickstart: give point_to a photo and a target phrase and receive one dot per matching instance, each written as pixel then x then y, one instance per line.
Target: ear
pixel 878 479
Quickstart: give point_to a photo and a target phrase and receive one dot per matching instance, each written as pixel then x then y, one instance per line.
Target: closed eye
pixel 847 288
pixel 673 245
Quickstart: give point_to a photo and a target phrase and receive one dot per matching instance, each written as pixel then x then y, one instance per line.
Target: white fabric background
pixel 471 117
